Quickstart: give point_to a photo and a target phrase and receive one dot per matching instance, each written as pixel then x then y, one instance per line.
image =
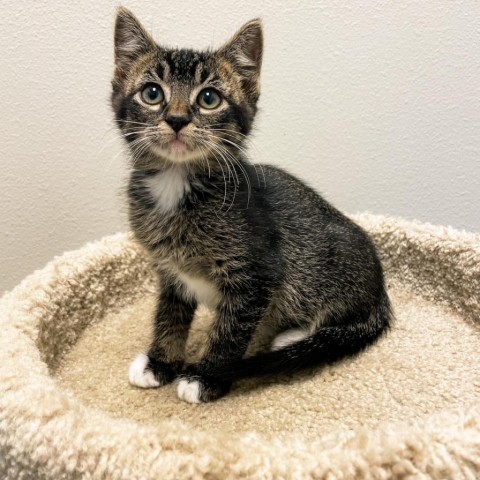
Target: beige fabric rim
pixel 45 432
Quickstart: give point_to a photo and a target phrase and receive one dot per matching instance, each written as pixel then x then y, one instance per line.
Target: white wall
pixel 376 104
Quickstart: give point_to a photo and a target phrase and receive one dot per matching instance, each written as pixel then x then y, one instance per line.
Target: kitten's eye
pixel 152 94
pixel 209 99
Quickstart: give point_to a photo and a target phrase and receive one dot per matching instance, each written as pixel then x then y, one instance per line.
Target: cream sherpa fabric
pixel 407 408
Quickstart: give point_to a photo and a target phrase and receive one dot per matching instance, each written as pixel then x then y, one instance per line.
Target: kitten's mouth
pixel 178 146
pixel 176 150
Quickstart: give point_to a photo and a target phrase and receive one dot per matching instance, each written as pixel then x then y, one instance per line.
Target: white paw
pixel 139 375
pixel 288 337
pixel 189 391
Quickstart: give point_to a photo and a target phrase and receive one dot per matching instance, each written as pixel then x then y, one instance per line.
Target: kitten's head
pixel 184 106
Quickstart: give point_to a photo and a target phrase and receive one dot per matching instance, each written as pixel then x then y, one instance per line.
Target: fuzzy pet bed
pixel 406 408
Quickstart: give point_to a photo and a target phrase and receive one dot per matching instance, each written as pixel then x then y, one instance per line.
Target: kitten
pixel 257 246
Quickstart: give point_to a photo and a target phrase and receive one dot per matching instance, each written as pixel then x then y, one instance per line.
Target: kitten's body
pixel 257 246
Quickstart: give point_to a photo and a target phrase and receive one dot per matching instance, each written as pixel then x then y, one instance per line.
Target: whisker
pixel 120 134
pixel 124 149
pixel 141 149
pixel 217 148
pixel 224 181
pixel 230 164
pixel 138 147
pixel 243 170
pixel 230 168
pixel 244 151
pixel 120 122
pixel 233 136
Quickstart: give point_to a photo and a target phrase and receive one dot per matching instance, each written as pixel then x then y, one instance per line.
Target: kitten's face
pixel 182 106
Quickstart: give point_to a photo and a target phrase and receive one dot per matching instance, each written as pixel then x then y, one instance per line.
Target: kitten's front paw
pixel 196 388
pixel 146 373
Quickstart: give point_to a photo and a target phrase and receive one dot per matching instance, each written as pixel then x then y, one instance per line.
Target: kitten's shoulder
pixel 274 170
pixel 295 195
pixel 277 178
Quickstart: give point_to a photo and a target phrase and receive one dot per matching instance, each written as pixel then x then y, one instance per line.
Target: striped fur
pixel 261 248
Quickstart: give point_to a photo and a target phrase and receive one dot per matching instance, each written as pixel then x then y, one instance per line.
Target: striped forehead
pixel 188 66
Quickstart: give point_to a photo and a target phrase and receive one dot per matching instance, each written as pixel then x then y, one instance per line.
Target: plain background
pixel 375 104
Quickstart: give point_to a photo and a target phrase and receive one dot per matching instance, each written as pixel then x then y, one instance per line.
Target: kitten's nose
pixel 177 122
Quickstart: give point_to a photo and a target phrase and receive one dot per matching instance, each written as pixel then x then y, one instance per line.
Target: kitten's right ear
pixel 131 39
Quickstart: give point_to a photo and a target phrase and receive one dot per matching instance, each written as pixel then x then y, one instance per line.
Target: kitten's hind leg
pixel 288 337
pixel 164 360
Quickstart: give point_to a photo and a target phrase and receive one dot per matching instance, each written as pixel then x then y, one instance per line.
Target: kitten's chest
pixel 176 229
pixel 167 189
pixel 195 280
pixel 155 208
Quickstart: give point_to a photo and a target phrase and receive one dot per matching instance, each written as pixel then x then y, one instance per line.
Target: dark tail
pixel 339 338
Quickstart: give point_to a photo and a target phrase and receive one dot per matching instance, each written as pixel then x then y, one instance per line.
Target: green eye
pixel 152 94
pixel 209 99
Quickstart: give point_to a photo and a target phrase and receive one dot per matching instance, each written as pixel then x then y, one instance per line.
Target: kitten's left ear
pixel 244 51
pixel 131 39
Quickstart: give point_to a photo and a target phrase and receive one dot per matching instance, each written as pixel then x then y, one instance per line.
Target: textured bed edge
pixel 46 432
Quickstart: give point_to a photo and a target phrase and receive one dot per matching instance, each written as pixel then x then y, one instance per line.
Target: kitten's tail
pixel 339 338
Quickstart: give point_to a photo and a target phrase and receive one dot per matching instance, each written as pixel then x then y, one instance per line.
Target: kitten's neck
pixel 229 182
pixel 227 163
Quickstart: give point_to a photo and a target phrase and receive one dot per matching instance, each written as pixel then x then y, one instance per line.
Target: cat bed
pixel 408 407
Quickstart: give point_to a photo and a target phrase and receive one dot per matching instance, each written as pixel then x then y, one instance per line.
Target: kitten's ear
pixel 244 51
pixel 131 39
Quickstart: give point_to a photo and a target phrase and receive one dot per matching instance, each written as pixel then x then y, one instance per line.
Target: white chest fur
pixel 200 289
pixel 168 187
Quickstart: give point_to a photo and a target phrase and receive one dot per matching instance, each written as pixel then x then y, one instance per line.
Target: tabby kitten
pixel 256 245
